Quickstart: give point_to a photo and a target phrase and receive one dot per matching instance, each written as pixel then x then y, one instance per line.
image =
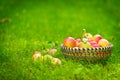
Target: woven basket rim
pixel 111 45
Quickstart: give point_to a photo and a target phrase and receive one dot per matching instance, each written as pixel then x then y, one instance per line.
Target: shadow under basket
pixel 87 54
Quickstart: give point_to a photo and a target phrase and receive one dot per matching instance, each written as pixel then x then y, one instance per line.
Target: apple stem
pixel 84 31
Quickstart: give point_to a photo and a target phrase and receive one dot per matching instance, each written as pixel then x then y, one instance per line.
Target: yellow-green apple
pixel 85 45
pixel 56 61
pixel 88 36
pixel 103 43
pixel 93 44
pixel 97 37
pixel 47 57
pixel 69 42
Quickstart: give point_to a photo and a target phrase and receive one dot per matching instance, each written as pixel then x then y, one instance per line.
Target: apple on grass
pixel 47 57
pixel 52 51
pixel 97 37
pixel 56 61
pixel 69 42
pixel 103 43
pixel 36 55
pixel 38 59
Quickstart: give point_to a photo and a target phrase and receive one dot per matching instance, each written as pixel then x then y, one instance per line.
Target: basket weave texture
pixel 87 53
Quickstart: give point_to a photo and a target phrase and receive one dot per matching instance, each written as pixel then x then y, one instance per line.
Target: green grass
pixel 37 25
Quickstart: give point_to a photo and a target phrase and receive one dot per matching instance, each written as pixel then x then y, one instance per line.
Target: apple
pixel 36 55
pixel 93 44
pixel 47 57
pixel 103 43
pixel 42 58
pixel 85 45
pixel 69 42
pixel 78 42
pixel 97 37
pixel 52 51
pixel 56 61
pixel 88 36
pixel 84 40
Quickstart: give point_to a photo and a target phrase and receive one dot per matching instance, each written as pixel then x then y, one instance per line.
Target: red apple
pixel 52 51
pixel 97 37
pixel 93 44
pixel 78 42
pixel 69 42
pixel 103 43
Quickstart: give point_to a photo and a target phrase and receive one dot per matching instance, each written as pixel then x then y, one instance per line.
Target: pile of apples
pixel 38 57
pixel 86 41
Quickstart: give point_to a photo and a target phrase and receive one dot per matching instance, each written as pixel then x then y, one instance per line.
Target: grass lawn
pixel 28 26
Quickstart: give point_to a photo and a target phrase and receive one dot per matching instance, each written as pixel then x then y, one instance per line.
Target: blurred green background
pixel 34 25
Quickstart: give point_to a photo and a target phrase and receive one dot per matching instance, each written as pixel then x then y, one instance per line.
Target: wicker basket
pixel 89 54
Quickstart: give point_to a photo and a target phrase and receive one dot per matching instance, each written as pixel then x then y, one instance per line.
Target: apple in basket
pixel 86 35
pixel 93 44
pixel 103 43
pixel 69 42
pixel 86 41
pixel 97 37
pixel 78 42
pixel 85 45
